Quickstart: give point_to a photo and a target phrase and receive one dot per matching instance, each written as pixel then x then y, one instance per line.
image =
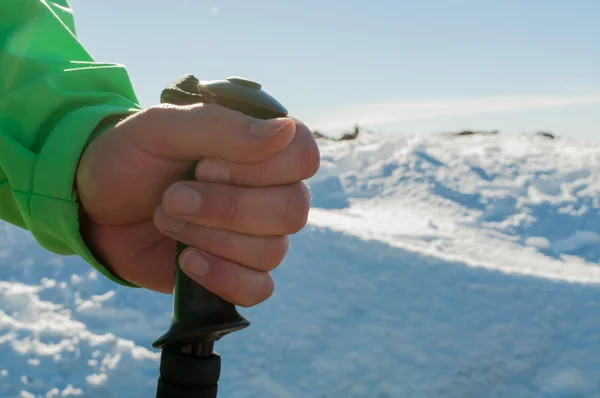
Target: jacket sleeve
pixel 53 99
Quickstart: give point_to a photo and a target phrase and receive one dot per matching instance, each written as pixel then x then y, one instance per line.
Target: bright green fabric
pixel 53 96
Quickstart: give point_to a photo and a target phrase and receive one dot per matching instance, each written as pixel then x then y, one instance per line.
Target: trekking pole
pixel 189 367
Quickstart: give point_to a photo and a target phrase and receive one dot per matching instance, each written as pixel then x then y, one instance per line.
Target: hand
pixel 248 197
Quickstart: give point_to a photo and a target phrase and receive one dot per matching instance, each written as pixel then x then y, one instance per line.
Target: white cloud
pixel 392 112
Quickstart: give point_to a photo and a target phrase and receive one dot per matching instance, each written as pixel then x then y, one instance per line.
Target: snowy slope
pixel 492 201
pixel 432 267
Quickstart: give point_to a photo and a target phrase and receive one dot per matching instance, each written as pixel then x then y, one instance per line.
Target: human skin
pixel 236 217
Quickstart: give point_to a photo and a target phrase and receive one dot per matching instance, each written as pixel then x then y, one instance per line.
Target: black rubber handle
pixel 186 376
pixel 199 316
pixel 189 368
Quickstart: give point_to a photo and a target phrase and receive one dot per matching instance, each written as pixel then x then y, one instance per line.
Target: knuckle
pixel 261 173
pixel 297 208
pixel 230 128
pixel 226 282
pixel 268 287
pixel 159 116
pixel 212 115
pixel 311 161
pixel 230 206
pixel 156 117
pixel 275 250
pixel 159 110
pixel 237 286
pixel 224 119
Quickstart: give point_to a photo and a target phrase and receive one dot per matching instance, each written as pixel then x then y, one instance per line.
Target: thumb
pixel 187 133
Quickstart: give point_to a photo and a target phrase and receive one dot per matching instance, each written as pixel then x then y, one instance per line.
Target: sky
pixel 391 66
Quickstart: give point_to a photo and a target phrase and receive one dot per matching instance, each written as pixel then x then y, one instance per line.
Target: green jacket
pixel 53 98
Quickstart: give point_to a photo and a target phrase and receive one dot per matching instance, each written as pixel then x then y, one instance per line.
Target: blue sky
pixel 395 66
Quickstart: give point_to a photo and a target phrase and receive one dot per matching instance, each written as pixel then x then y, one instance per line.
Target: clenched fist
pixel 248 196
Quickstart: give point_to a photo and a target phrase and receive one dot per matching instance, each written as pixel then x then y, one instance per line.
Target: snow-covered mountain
pixel 432 266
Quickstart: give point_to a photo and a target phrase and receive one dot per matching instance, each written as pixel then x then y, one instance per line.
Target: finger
pixel 298 161
pixel 256 252
pixel 230 281
pixel 207 130
pixel 268 211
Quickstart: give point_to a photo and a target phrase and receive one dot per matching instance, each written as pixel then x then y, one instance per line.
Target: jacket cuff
pixel 54 206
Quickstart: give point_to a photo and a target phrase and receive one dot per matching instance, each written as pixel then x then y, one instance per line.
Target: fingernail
pixel 212 171
pixel 194 263
pixel 168 224
pixel 270 127
pixel 182 199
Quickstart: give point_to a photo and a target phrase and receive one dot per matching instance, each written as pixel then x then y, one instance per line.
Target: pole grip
pixel 189 367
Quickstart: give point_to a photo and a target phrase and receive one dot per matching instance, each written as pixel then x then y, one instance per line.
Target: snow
pixel 432 266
